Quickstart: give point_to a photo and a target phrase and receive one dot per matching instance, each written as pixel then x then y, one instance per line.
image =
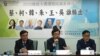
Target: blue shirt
pixel 29 27
pixel 19 28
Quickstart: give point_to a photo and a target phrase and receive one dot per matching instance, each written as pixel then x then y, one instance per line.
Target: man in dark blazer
pixel 51 42
pixel 23 44
pixel 85 42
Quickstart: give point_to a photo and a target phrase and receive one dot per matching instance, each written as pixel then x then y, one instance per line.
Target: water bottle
pixel 57 46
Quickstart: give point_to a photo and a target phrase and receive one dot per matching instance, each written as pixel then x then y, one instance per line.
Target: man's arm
pixel 31 46
pixel 48 44
pixel 64 44
pixel 16 47
pixel 93 45
pixel 78 47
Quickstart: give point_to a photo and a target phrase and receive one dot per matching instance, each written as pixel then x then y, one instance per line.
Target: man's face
pixel 39 23
pixel 58 22
pixel 49 22
pixel 30 22
pixel 24 36
pixel 21 23
pixel 86 36
pixel 56 34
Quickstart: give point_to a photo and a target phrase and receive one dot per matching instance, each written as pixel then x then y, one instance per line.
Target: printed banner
pixel 39 17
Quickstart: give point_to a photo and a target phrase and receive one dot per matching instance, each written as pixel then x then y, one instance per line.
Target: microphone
pixel 88 48
pixel 56 45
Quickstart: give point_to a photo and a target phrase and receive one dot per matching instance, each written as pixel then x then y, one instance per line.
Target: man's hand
pixel 65 48
pixel 23 50
pixel 56 40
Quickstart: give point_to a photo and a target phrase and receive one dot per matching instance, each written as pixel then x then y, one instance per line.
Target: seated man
pixel 85 42
pixel 55 42
pixel 23 44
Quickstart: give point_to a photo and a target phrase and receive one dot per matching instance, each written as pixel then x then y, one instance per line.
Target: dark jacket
pixel 82 45
pixel 55 27
pixel 19 45
pixel 61 43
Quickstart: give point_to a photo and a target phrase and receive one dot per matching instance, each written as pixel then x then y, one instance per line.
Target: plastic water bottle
pixel 56 46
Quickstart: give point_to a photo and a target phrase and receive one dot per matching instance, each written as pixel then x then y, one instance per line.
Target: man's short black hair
pixel 85 31
pixel 55 30
pixel 21 21
pixel 23 31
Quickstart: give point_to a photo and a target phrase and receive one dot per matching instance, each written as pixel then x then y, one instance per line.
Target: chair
pixel 45 45
pixel 35 44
